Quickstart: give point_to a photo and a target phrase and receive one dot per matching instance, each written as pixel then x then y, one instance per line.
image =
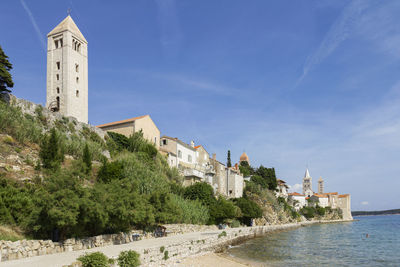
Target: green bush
pixel 128 258
pixel 308 212
pixel 250 210
pixel 166 257
pixel 222 234
pixel 95 259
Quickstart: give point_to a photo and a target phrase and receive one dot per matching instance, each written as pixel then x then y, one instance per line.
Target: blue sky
pixel 292 83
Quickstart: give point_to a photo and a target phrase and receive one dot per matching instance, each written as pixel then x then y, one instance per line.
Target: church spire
pixel 307 174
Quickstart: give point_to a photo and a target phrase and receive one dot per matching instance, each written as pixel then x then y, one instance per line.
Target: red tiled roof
pixel 333 193
pixel 344 195
pixel 197 147
pixel 120 122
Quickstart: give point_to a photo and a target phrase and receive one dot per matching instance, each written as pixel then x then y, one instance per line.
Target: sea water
pixel 370 241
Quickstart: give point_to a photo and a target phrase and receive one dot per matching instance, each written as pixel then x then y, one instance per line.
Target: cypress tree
pixel 51 152
pixel 229 163
pixel 87 158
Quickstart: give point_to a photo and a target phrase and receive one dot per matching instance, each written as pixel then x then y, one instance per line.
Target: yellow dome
pixel 244 157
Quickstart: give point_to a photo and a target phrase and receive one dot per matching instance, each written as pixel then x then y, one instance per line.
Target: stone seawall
pixel 30 248
pixel 167 255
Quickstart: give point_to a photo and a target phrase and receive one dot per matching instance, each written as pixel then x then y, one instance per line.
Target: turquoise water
pixel 336 244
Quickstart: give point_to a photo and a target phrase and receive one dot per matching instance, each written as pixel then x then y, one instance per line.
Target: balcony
pixel 193 173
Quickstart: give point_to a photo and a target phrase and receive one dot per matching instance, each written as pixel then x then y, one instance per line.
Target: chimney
pixel 214 156
pixel 192 143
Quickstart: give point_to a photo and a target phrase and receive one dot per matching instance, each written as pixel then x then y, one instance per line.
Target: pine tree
pixel 229 163
pixel 87 158
pixel 51 152
pixel 5 76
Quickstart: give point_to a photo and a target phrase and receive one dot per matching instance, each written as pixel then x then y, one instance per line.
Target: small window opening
pixel 56 43
pixel 58 65
pixel 58 90
pixel 61 43
pixel 58 77
pixel 179 154
pixel 58 103
pixel 164 141
pixel 79 48
pixel 77 93
pixel 77 79
pixel 77 67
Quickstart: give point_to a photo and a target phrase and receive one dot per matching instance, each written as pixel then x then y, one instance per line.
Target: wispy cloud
pixel 34 24
pixel 171 34
pixel 296 188
pixel 339 32
pixel 364 203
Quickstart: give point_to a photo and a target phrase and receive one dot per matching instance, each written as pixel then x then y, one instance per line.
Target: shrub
pixel 162 249
pixel 308 212
pixel 128 258
pixel 95 259
pixel 166 257
pixel 222 234
pixel 249 209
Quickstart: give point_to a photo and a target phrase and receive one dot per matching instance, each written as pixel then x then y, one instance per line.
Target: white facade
pixel 235 184
pixel 185 154
pixel 282 189
pixel 67 71
pixel 298 200
pixel 323 201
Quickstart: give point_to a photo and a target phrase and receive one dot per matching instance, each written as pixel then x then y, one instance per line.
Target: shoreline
pixel 173 250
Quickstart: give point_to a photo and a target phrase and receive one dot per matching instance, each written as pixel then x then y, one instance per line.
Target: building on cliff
pixel 67 71
pixel 130 126
pixel 196 165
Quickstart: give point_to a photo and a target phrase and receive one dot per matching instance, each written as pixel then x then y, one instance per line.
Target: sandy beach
pixel 212 260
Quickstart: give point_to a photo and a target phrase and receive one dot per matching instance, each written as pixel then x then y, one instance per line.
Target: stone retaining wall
pixel 156 256
pixel 29 248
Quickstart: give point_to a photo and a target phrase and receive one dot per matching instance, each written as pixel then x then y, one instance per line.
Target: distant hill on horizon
pixel 380 212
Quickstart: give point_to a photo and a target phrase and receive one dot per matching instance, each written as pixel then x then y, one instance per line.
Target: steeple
pixel 307 174
pixel 68 24
pixel 320 185
pixel 307 184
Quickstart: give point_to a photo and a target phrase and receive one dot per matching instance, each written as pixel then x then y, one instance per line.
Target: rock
pixel 16 168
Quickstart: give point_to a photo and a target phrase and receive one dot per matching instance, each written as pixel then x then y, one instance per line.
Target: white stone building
pixel 67 71
pixel 297 200
pixel 235 183
pixel 282 189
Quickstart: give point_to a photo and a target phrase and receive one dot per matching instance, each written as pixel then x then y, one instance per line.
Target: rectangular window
pixel 58 65
pixel 164 141
pixel 77 93
pixel 58 77
pixel 77 67
pixel 56 43
pixel 77 79
pixel 179 154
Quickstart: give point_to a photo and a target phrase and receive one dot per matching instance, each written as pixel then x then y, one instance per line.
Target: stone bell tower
pixel 67 71
pixel 307 184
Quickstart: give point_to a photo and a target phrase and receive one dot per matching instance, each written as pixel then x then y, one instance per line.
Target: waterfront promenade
pixel 178 247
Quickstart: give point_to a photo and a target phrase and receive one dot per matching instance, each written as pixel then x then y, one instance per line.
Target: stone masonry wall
pixel 29 248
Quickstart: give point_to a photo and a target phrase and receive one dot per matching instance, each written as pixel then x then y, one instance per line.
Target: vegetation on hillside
pixel 74 198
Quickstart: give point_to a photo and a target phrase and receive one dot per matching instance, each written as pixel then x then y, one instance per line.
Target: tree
pixel 229 163
pixel 268 174
pixel 87 159
pixel 249 209
pixel 5 76
pixel 51 152
pixel 201 191
pixel 245 169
